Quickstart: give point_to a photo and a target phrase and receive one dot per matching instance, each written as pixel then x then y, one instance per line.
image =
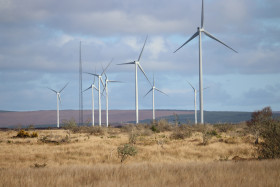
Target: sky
pixel 39 48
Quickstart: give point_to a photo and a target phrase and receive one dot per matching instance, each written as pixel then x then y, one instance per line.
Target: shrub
pixel 34 135
pixel 258 121
pixel 154 129
pixel 212 133
pixel 127 128
pixel 23 134
pixel 69 124
pixel 270 147
pixel 126 150
pixel 181 132
pixel 96 130
pixel 205 138
pixel 223 127
pixel 132 138
pixel 163 125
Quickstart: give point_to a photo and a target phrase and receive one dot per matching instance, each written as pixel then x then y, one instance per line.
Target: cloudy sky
pixel 39 48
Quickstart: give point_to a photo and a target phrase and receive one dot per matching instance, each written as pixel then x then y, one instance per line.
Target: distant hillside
pixel 117 117
pixel 215 117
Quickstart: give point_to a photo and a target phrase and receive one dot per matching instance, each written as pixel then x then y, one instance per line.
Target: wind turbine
pixel 107 101
pixel 58 101
pixel 153 90
pixel 99 96
pixel 195 112
pixel 198 33
pixel 92 87
pixel 195 92
pixel 137 64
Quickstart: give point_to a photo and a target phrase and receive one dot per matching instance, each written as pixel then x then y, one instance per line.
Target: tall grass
pixel 253 173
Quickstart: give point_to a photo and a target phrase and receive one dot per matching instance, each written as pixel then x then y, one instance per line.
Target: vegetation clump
pixel 25 134
pixel 181 132
pixel 263 125
pixel 125 151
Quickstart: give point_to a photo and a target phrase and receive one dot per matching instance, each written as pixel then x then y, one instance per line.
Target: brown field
pixel 85 158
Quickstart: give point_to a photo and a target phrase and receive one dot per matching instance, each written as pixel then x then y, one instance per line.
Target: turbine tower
pixel 195 93
pixel 153 90
pixel 58 100
pixel 107 95
pixel 99 94
pixel 92 87
pixel 137 64
pixel 81 121
pixel 195 112
pixel 198 33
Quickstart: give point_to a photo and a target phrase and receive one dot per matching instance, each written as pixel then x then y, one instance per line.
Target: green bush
pixel 126 151
pixel 270 147
pixel 154 129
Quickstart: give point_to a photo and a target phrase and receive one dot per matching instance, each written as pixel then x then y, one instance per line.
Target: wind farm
pixel 144 118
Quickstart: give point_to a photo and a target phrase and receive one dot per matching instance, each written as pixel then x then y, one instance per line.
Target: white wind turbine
pixel 58 101
pixel 107 100
pixel 137 64
pixel 198 33
pixel 195 111
pixel 92 87
pixel 99 94
pixel 153 90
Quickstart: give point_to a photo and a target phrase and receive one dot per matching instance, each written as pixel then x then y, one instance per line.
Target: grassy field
pixel 166 156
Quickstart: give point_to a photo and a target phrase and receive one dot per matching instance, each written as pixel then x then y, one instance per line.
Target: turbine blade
pixel 63 87
pixel 94 74
pixel 143 72
pixel 103 91
pixel 102 82
pixel 193 36
pixel 106 67
pixel 153 80
pixel 160 91
pixel 104 72
pixel 52 90
pixel 114 81
pixel 191 85
pixel 148 92
pixel 142 49
pixel 87 88
pixel 202 14
pixel 211 36
pixel 95 88
pixel 127 63
pixel 206 87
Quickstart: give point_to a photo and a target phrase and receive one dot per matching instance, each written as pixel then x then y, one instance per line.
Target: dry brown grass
pixel 90 160
pixel 254 173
